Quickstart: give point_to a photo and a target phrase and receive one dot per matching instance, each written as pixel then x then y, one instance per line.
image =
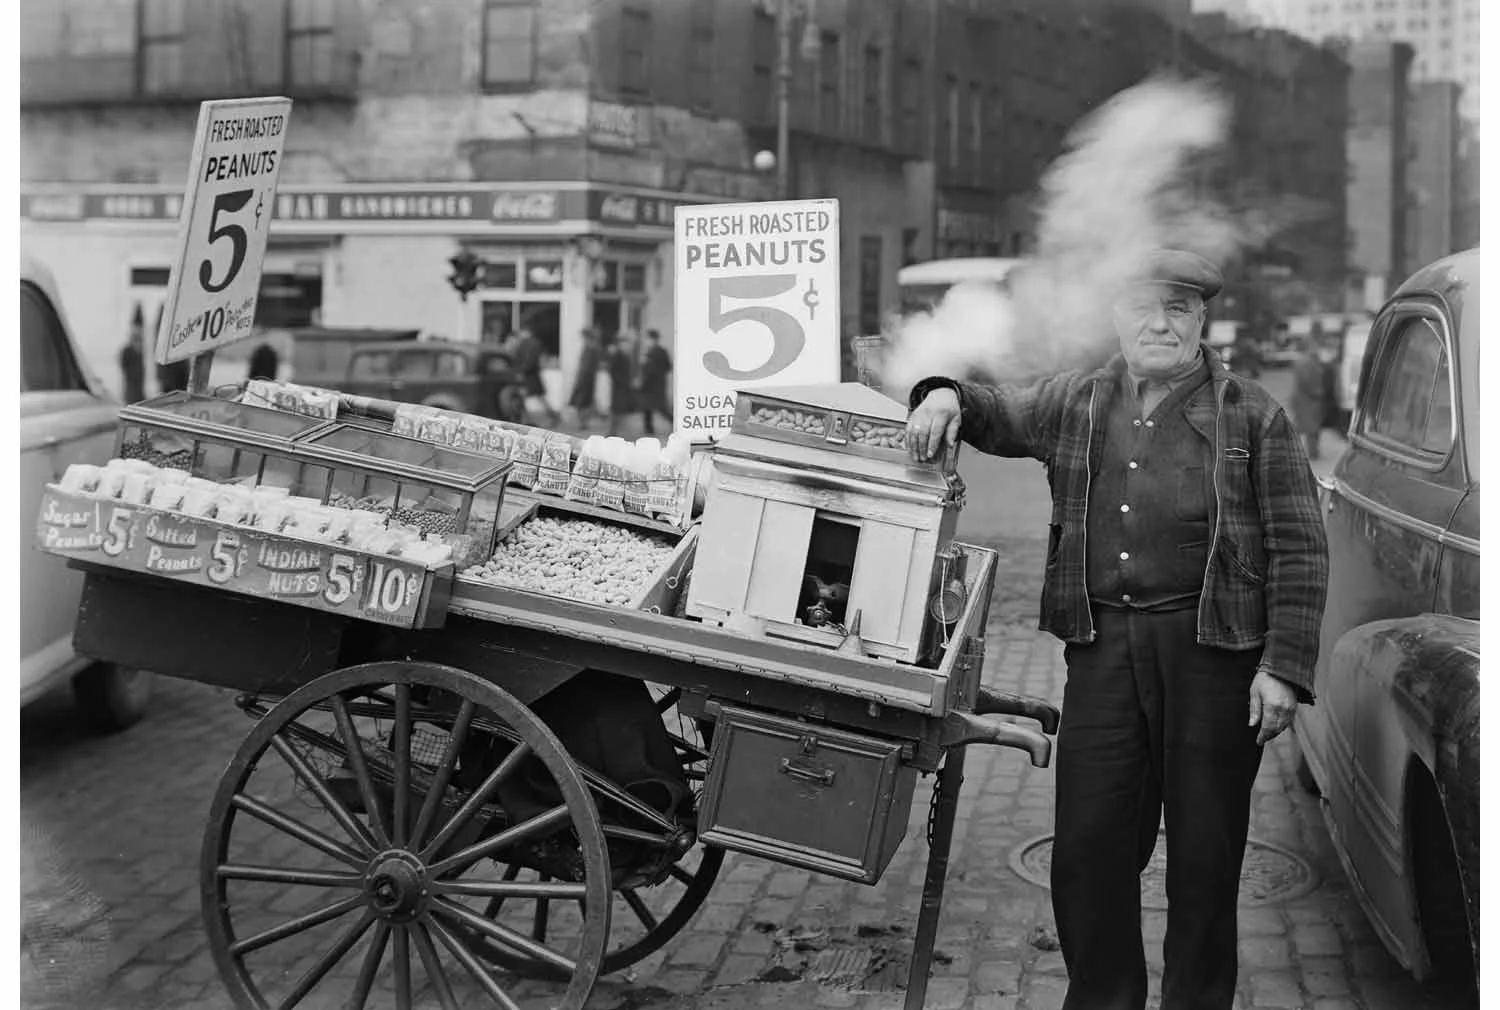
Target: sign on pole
pixel 757 304
pixel 221 236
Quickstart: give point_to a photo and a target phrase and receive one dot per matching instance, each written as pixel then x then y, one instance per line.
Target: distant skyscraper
pixel 1443 33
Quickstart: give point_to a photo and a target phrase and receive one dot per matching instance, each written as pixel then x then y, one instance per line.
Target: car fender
pixel 1418 711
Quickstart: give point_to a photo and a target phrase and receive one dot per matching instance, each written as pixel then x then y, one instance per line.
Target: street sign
pixel 221 233
pixel 757 304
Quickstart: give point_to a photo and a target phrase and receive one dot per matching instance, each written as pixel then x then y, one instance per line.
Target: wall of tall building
pixel 1379 156
pixel 1434 171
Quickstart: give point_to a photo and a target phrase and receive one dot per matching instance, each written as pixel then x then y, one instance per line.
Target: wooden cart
pixel 412 773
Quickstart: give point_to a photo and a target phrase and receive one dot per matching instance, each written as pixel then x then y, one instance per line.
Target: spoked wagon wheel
pixel 371 832
pixel 652 904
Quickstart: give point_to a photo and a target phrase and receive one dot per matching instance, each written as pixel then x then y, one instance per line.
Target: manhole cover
pixel 1270 874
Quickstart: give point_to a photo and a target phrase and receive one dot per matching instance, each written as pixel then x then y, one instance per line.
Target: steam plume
pixel 1124 186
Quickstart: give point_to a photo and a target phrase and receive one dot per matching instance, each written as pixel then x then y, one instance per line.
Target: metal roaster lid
pixel 846 429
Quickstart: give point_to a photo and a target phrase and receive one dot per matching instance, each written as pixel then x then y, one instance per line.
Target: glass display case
pixel 442 491
pixel 451 494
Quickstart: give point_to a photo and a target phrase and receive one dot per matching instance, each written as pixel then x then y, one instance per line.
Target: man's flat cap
pixel 1177 266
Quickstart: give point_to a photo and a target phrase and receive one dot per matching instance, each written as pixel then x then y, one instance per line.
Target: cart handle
pixel 966 728
pixel 992 702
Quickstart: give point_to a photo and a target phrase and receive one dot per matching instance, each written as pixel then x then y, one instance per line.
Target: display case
pixel 446 493
pixel 219 440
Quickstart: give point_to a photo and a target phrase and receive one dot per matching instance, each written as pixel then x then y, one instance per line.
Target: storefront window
pixel 500 319
pixel 619 302
pixel 289 300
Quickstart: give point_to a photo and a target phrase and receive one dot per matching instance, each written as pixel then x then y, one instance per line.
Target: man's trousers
pixel 1152 721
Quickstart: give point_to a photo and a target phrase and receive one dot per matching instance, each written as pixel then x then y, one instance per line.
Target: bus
pixel 923 285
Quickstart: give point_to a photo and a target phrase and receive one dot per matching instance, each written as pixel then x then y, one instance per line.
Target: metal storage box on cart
pixel 806 794
pixel 817 514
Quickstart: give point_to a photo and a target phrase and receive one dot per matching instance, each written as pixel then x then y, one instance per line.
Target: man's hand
pixel 933 424
pixel 1272 705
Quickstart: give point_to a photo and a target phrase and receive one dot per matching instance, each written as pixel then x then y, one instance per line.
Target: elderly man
pixel 1186 573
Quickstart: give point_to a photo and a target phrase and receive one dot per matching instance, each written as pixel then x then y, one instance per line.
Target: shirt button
pixel 1137 422
pixel 1124 555
pixel 1126 598
pixel 1134 465
pixel 1124 508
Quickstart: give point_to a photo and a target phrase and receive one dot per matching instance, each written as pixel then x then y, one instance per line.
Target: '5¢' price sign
pixel 757 304
pixel 226 216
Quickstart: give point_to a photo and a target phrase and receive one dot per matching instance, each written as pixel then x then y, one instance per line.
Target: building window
pixel 870 255
pixel 911 104
pixel 509 43
pixel 309 41
pixel 635 43
pixel 874 86
pixel 952 128
pixel 701 59
pixel 161 46
pixel 976 132
pixel 764 67
pixel 828 85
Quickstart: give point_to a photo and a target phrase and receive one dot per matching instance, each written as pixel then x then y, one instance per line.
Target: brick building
pixel 551 137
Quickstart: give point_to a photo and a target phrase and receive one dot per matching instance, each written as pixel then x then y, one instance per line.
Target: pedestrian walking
pixel 1187 574
pixel 1311 383
pixel 133 361
pixel 656 366
pixel 264 362
pixel 585 381
pixel 621 362
pixel 528 363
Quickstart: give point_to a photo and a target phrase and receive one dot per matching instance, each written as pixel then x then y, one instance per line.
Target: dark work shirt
pixel 1148 517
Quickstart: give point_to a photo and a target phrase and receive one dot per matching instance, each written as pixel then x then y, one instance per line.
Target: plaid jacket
pixel 1267 576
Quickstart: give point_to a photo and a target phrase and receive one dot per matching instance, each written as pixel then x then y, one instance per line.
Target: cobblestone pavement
pixel 118 822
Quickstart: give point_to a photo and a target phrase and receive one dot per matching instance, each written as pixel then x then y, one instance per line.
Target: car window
pixel 414 365
pixel 497 364
pixel 451 366
pixel 47 363
pixel 1414 402
pixel 370 366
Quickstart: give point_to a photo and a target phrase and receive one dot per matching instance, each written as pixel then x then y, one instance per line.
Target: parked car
pixel 473 378
pixel 320 354
pixel 1346 375
pixel 66 418
pixel 1392 743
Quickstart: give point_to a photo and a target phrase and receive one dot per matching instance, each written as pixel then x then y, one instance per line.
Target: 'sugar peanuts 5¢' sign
pixel 757 304
pixel 226 215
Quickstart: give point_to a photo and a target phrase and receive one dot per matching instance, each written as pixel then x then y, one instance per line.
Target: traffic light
pixel 468 269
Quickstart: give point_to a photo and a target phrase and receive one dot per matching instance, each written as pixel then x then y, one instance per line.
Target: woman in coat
pixel 584 381
pixel 1309 391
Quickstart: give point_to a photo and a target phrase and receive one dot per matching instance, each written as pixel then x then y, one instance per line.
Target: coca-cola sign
pixel 537 206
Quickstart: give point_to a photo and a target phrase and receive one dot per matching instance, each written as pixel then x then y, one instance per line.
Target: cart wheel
pixel 647 913
pixel 307 855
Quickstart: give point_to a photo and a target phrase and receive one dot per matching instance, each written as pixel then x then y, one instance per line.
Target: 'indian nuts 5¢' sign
pixel 757 304
pixel 226 215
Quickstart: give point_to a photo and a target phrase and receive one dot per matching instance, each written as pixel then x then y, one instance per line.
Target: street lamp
pixel 811 46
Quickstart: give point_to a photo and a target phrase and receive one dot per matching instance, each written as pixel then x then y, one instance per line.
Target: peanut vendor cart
pixel 457 782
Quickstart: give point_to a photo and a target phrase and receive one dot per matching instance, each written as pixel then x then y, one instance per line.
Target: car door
pixel 412 375
pixel 369 374
pixel 1393 495
pixel 63 421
